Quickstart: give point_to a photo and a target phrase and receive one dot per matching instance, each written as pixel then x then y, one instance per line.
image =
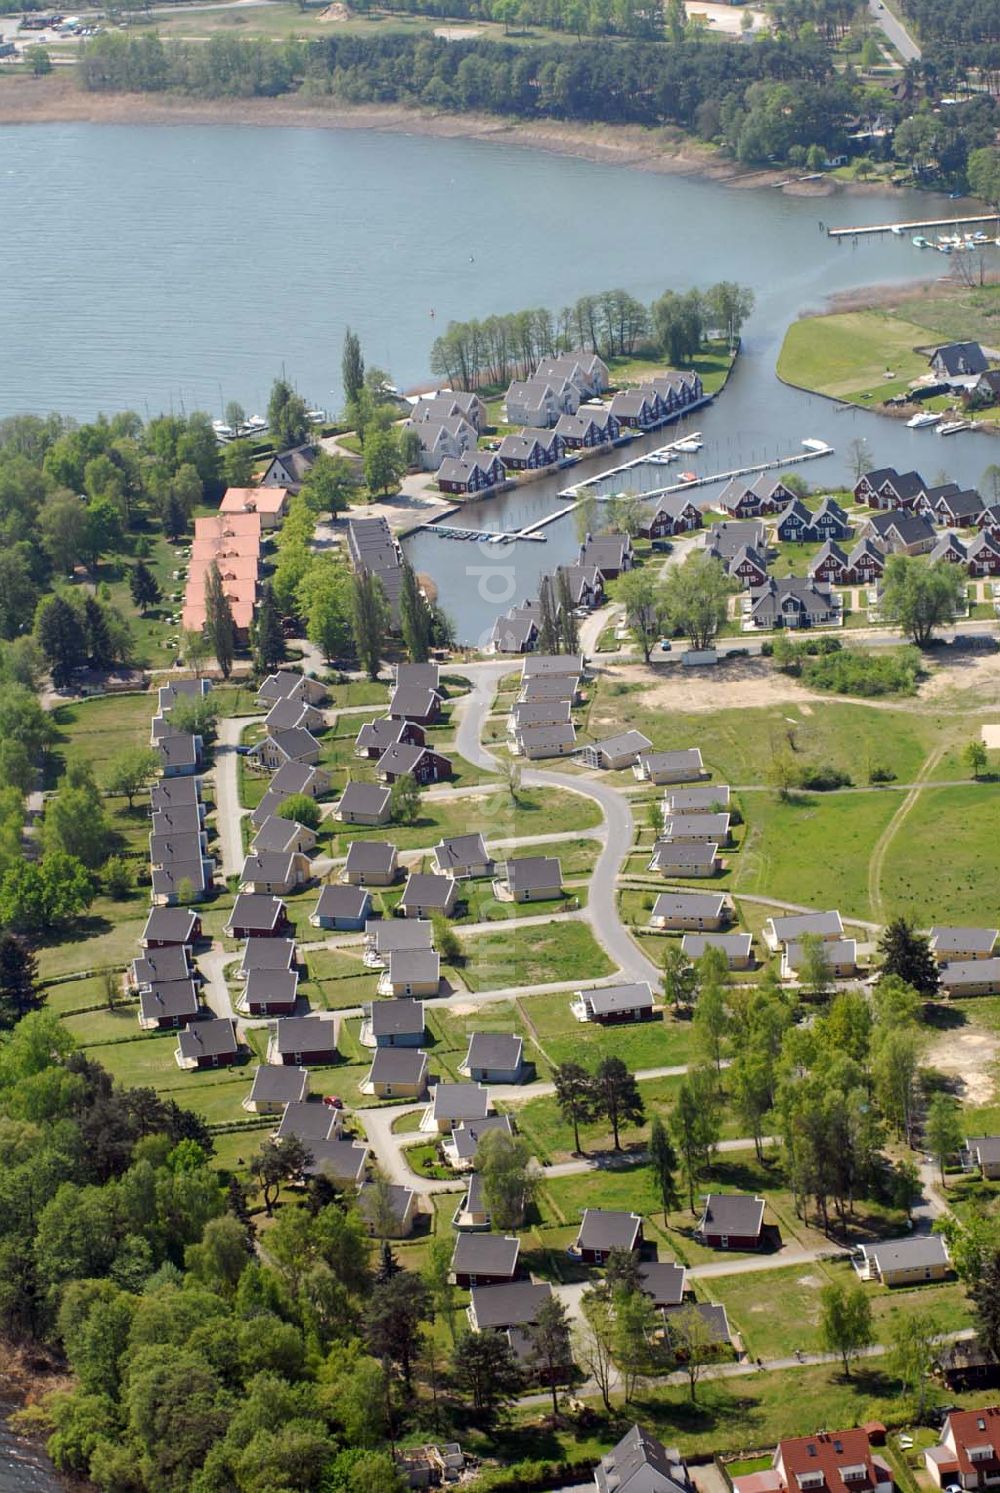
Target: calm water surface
pixel 158 267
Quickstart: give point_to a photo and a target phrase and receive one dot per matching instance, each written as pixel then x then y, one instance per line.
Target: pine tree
pixel 388 1265
pixel 143 587
pixel 352 367
pixel 568 630
pixel 219 623
pixel 414 617
pixel 907 954
pixel 173 515
pixel 548 630
pixel 18 980
pixel 61 639
pixel 369 620
pixel 268 638
pixel 100 648
pixel 663 1162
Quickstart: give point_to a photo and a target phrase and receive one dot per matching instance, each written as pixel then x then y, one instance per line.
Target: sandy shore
pixel 57 100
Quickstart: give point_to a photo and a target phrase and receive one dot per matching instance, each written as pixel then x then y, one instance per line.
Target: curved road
pixel 602 906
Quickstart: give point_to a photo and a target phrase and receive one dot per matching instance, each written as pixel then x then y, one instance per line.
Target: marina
pixel 813 450
pixel 868 230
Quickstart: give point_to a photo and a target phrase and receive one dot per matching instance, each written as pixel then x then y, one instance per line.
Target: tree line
pixel 612 323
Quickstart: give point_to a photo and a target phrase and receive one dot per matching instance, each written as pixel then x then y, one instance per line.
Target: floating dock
pixel 865 229
pixel 812 454
pixel 479 536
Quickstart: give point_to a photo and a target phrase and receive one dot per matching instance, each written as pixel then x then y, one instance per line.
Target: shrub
pixel 823 778
pixel 119 877
pixel 881 774
pixel 855 671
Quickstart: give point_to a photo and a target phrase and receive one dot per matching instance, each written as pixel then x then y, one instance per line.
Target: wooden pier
pixel 865 229
pixel 747 471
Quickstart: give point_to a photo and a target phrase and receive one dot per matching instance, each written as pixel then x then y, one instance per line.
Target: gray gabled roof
pixel 426 890
pixel 399 933
pixel 502 1050
pixel 341 900
pixel 268 865
pixel 605 1229
pixel 275 835
pixel 304 1034
pixel 681 760
pixel 169 963
pixel 207 1039
pixel 689 905
pixel 961 940
pixel 738 1214
pixel 166 999
pixel 342 1159
pixel 398 1065
pixel 534 873
pixel 465 1138
pixel 671 853
pixel 459 851
pixel 367 856
pixel 485 1254
pixel 641 1464
pixel 174 793
pixel 511 1305
pixel 414 965
pixel 396 1018
pixel 663 1281
pixel 461 1101
pixel 610 999
pixel 364 798
pixel 920 1253
pixel 552 663
pixel 257 911
pixel 271 987
pixel 796 925
pixel 178 751
pixel 622 744
pixel 170 924
pixel 400 1200
pixel 403 756
pixel 274 1083
pixel 306 1120
pixel 267 953
pixel 413 700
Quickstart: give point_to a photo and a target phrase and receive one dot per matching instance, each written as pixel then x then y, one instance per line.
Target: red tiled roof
pixel 829 1455
pixel 969 1430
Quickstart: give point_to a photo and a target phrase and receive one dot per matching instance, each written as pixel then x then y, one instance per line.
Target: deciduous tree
pixel 845 1323
pixel 369 620
pixel 641 595
pixel 220 629
pixel 696 598
pixel 921 597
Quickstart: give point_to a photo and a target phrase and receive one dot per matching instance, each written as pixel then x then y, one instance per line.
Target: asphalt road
pixel 602 905
pixel 895 31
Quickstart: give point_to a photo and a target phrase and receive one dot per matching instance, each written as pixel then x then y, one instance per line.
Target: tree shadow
pixel 942 1017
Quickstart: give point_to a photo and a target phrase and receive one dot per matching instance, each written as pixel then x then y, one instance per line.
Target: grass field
pixel 494 814
pixel 953 830
pixel 847 355
pixel 648 1044
pixel 533 956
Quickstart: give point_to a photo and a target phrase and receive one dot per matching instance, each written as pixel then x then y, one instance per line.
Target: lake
pixel 182 266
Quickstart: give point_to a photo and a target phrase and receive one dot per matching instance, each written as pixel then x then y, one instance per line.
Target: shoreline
pixel 666 151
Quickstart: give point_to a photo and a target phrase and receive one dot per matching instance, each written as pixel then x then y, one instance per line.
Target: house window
pixel 724 1241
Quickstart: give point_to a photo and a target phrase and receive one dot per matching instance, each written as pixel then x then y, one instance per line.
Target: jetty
pixel 812 453
pixel 866 229
pixel 480 536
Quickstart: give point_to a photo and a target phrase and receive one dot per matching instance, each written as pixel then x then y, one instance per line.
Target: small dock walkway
pixel 864 229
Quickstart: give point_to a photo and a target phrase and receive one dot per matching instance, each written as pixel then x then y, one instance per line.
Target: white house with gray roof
pixel 392 1023
pixel 462 856
pixel 737 947
pixel 669 767
pixel 364 803
pixel 409 973
pixel 530 878
pixel 971 977
pixel 273 1088
pixel 536 742
pixel 615 752
pixel 690 829
pixel 462 1146
pixel 494 1057
pixel 692 911
pixel 641 1464
pixel 904 1262
pixel 382 935
pixel 371 863
pixel 962 944
pixel 455 1104
pixel 613 1004
pixel 671 858
pixel 713 798
pixel 795 926
pixel 839 954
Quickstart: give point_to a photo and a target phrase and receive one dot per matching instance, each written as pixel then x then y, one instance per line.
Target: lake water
pixel 178 267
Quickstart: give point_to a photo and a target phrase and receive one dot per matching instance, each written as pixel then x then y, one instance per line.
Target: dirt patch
pixel 335 12
pixel 968 1057
pixel 978 672
pixel 741 684
pixel 463 1009
pixel 457 33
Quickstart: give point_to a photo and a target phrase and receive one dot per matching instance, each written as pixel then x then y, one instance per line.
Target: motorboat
pixel 919 242
pixel 255 425
pixel 812 444
pixel 691 442
pixel 689 476
pixel 952 427
pixel 923 419
pixel 223 432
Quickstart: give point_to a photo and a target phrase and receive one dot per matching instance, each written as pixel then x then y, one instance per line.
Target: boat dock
pixel 480 536
pixel 866 229
pixel 812 454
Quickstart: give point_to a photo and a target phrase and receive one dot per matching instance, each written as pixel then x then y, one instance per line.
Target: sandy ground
pixel 968 1056
pixel 53 100
pixel 991 738
pixel 754 683
pixel 727 18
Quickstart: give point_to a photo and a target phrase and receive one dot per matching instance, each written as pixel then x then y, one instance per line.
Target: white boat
pixel 316 417
pixel 897 230
pixel 223 431
pixel 812 444
pixel 255 424
pixel 922 420
pixel 690 443
pixel 952 427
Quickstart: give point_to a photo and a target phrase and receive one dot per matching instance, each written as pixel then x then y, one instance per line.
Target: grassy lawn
pixel 96 730
pixel 494 814
pixel 848 354
pixel 777 1311
pixel 815 849
pixel 480 904
pixel 75 995
pixel 647 1044
pixel 533 956
pixel 954 830
pixel 107 936
pixel 739 745
pixel 449 1033
pixel 551 1136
